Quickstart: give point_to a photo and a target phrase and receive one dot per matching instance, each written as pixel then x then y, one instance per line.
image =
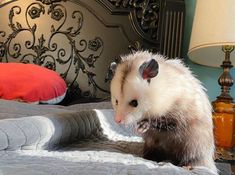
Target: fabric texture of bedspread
pixel 79 139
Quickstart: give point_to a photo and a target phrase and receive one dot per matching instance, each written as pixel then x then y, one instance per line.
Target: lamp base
pixel 226 80
pixel 223 116
pixel 224 124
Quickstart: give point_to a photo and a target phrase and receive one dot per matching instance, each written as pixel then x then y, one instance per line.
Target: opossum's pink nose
pixel 118 118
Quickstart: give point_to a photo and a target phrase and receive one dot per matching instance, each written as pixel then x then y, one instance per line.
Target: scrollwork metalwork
pixel 35 12
pixel 2 51
pixel 45 51
pixel 48 2
pixel 146 14
pixel 95 44
pixel 134 47
pixel 56 13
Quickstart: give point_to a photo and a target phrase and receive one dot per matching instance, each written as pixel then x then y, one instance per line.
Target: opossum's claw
pixel 143 126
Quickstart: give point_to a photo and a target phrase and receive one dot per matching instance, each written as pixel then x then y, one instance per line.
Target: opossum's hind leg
pixel 155 154
pixel 150 153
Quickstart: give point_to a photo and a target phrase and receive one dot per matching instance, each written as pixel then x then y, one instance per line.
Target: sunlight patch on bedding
pixel 114 131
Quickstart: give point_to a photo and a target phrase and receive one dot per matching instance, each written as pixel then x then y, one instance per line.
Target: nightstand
pixel 224 158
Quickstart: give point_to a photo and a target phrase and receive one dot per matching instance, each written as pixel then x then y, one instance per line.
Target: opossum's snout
pixel 118 118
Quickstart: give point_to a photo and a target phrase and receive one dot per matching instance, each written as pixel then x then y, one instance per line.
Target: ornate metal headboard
pixel 79 38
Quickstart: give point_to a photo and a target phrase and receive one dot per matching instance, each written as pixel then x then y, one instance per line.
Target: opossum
pixel 168 106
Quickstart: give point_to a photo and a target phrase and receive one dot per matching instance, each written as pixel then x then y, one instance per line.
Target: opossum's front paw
pixel 143 126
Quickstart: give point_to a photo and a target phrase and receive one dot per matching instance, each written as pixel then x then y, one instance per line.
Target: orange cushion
pixel 30 83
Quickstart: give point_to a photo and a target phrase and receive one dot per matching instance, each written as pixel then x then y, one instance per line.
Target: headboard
pixel 79 38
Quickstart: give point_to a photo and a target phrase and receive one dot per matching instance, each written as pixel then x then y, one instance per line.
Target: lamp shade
pixel 213 27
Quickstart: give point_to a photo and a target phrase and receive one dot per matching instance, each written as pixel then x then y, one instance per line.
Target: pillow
pixel 30 83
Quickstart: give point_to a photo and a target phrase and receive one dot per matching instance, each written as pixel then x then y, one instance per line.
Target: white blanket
pixel 84 142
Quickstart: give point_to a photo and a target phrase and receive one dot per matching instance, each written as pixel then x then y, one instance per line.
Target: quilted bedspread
pixel 78 139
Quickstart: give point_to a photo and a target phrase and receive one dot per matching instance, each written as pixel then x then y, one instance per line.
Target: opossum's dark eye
pixel 116 102
pixel 133 103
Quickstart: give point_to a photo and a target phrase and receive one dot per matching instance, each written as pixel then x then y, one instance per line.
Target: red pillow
pixel 30 83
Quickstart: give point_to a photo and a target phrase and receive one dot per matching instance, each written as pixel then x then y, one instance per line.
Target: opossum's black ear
pixel 113 66
pixel 111 71
pixel 149 69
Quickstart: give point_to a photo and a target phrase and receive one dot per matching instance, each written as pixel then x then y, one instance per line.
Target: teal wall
pixel 208 76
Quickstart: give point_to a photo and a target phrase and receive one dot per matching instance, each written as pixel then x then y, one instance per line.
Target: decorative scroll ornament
pixel 146 15
pixel 95 44
pixel 48 2
pixel 134 47
pixel 35 12
pixel 43 50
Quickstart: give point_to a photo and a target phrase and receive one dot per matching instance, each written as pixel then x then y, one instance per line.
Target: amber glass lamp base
pixel 224 124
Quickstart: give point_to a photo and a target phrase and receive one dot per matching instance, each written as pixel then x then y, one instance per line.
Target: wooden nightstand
pixel 226 156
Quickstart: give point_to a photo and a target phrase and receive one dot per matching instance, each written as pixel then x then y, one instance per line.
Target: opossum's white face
pixel 128 90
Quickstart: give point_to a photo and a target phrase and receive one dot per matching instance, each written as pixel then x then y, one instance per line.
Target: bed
pixel 75 139
pixel 74 132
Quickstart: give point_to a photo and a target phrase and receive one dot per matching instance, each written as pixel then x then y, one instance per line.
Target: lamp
pixel 212 40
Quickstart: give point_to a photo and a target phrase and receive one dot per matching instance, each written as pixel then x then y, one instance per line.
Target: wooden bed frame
pixel 79 38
